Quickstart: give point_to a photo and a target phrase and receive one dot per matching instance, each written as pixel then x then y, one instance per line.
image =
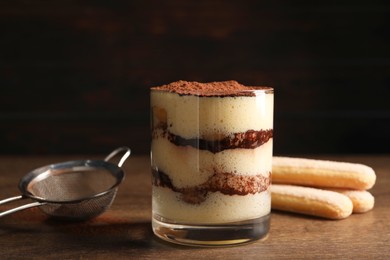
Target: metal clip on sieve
pixel 75 190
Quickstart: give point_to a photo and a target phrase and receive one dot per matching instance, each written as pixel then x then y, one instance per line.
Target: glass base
pixel 217 235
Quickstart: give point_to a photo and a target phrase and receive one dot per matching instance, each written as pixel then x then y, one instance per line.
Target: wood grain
pixel 124 231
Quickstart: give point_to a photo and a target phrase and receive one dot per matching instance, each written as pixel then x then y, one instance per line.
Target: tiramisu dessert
pixel 211 152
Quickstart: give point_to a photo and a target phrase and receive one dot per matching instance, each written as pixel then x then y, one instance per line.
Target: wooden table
pixel 124 231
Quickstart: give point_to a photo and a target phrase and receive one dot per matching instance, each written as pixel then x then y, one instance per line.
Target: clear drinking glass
pixel 211 160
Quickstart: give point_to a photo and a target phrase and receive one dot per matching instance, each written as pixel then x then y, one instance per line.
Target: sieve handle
pixel 26 206
pixel 114 153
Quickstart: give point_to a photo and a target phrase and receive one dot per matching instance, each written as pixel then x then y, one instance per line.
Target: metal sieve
pixel 75 190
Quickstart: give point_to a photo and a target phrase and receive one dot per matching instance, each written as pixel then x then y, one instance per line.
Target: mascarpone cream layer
pixel 187 166
pixel 217 208
pixel 203 117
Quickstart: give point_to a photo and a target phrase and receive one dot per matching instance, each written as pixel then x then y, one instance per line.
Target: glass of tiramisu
pixel 211 160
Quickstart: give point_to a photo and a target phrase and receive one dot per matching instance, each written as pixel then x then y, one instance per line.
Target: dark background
pixel 75 75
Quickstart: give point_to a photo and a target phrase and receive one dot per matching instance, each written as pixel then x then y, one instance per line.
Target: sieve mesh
pixel 71 184
pixel 84 209
pixel 75 190
pixel 79 193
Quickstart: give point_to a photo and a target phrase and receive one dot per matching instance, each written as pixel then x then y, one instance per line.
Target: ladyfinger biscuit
pixel 362 200
pixel 310 201
pixel 321 173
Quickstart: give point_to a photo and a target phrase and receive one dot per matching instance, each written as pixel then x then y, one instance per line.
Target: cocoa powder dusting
pixel 210 89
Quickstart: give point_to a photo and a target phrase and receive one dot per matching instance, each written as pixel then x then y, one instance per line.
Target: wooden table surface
pixel 124 231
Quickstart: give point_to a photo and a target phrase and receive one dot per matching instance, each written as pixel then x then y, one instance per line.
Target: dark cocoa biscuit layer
pixel 226 183
pixel 229 88
pixel 248 140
